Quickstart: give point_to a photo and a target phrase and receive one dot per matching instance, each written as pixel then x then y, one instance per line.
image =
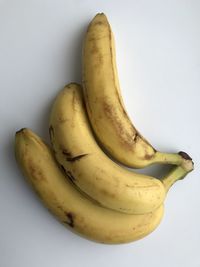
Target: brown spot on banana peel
pixel 36 173
pixel 70 157
pixel 126 139
pixel 70 219
pixel 76 158
pixel 130 141
pixel 136 137
pixel 70 216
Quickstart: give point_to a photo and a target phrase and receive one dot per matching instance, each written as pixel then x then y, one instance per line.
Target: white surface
pixel 158 58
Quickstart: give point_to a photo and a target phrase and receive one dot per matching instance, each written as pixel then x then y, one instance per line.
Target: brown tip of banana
pixel 99 17
pixel 187 163
pixel 71 84
pixel 20 131
pixel 184 155
pixel 100 14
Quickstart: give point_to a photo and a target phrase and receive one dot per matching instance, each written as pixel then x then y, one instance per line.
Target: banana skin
pixel 71 208
pixel 75 180
pixel 76 150
pixel 105 107
pixel 93 172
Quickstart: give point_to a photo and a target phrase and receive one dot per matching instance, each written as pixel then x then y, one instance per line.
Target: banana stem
pixel 180 159
pixel 177 173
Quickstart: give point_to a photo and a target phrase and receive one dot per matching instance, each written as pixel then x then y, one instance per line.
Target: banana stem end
pixel 177 173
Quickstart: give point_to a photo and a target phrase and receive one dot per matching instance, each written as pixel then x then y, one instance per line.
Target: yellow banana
pixel 104 103
pixel 89 168
pixel 71 207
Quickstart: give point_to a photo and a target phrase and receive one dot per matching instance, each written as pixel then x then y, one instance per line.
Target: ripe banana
pixel 71 207
pixel 89 168
pixel 104 103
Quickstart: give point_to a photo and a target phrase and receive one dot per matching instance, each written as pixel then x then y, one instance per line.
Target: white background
pixel 158 58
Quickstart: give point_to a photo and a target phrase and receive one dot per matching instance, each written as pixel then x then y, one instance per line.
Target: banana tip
pixel 20 131
pixel 184 155
pixel 187 163
pixel 100 14
pixel 69 85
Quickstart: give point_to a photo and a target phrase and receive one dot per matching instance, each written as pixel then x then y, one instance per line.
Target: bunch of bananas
pixel 78 182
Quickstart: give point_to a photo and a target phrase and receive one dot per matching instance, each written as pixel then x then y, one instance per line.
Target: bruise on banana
pixel 127 139
pixel 70 219
pixel 35 173
pixel 70 157
pixel 70 216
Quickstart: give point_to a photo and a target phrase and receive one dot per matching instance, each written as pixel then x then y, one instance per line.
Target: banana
pixel 73 209
pixel 89 167
pixel 105 107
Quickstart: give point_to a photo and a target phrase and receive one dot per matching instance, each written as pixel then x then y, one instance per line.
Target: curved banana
pixel 89 168
pixel 71 207
pixel 105 107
